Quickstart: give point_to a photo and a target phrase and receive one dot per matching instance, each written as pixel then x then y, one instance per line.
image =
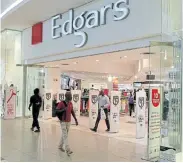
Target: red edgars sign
pixel 155 97
pixel 37 33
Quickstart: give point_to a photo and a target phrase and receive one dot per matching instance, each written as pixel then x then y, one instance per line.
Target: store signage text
pixel 155 98
pixel 88 19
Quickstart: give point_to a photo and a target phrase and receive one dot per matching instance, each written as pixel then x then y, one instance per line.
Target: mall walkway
pixel 18 143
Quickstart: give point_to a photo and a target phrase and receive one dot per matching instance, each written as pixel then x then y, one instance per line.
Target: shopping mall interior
pixel 122 47
pixel 158 65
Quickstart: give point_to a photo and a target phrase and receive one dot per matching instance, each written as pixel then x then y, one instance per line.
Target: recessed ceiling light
pixel 75 63
pixel 97 60
pixel 172 67
pixel 177 56
pixel 125 56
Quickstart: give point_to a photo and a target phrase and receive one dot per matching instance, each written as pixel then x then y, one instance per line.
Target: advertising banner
pixel 140 114
pixel 93 103
pixel 115 111
pixel 154 123
pixel 10 103
pixel 61 95
pixel 48 104
pixel 76 102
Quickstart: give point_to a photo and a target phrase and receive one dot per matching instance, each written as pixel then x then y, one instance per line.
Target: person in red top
pixel 66 108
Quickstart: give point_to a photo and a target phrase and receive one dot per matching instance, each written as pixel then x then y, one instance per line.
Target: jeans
pixel 131 108
pixel 35 122
pixel 64 139
pixel 106 120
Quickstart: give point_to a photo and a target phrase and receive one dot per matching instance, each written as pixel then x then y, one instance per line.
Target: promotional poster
pixel 93 103
pixel 10 103
pixel 76 102
pixel 115 111
pixel 61 95
pixel 48 104
pixel 154 123
pixel 140 114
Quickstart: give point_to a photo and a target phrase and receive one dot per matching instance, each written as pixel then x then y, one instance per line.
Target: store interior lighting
pixel 110 78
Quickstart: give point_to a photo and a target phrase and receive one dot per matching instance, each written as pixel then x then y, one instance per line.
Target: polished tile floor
pixel 18 143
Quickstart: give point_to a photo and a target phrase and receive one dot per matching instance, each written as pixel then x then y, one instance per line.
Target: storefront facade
pixel 113 32
pixel 98 28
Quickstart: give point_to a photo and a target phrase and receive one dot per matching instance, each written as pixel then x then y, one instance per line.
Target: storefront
pixel 100 28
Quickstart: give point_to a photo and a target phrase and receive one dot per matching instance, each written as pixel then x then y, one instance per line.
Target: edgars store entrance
pixel 120 47
pixel 135 70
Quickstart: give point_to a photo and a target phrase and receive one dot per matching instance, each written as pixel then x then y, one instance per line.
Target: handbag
pixel 102 113
pixel 60 113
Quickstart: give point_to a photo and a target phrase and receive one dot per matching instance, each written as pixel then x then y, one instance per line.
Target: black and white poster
pixel 115 111
pixel 93 104
pixel 140 114
pixel 48 104
pixel 61 95
pixel 76 102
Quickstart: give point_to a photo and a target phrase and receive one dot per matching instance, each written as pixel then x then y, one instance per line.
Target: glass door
pixel 34 79
pixel 165 64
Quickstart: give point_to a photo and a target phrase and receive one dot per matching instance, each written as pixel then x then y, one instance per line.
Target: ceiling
pixel 123 64
pixel 5 4
pixel 30 12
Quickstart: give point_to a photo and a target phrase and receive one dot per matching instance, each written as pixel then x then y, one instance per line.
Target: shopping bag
pixel 102 113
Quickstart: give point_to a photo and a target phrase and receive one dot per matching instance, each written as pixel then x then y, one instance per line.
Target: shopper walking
pixel 131 103
pixel 104 103
pixel 63 112
pixel 35 103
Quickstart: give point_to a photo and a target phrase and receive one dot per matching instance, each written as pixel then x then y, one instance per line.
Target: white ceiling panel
pixel 123 64
pixel 34 11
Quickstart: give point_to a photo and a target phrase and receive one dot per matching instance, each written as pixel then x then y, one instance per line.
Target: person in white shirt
pixel 104 103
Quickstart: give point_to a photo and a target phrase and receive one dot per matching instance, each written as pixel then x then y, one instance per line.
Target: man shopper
pixel 104 103
pixel 64 111
pixel 35 102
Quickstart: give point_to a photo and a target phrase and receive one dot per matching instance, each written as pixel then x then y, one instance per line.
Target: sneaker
pixel 37 130
pixel 107 130
pixel 69 152
pixel 61 148
pixel 94 130
pixel 32 129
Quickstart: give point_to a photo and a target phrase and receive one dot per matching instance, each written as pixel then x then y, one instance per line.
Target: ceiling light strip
pixel 16 3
